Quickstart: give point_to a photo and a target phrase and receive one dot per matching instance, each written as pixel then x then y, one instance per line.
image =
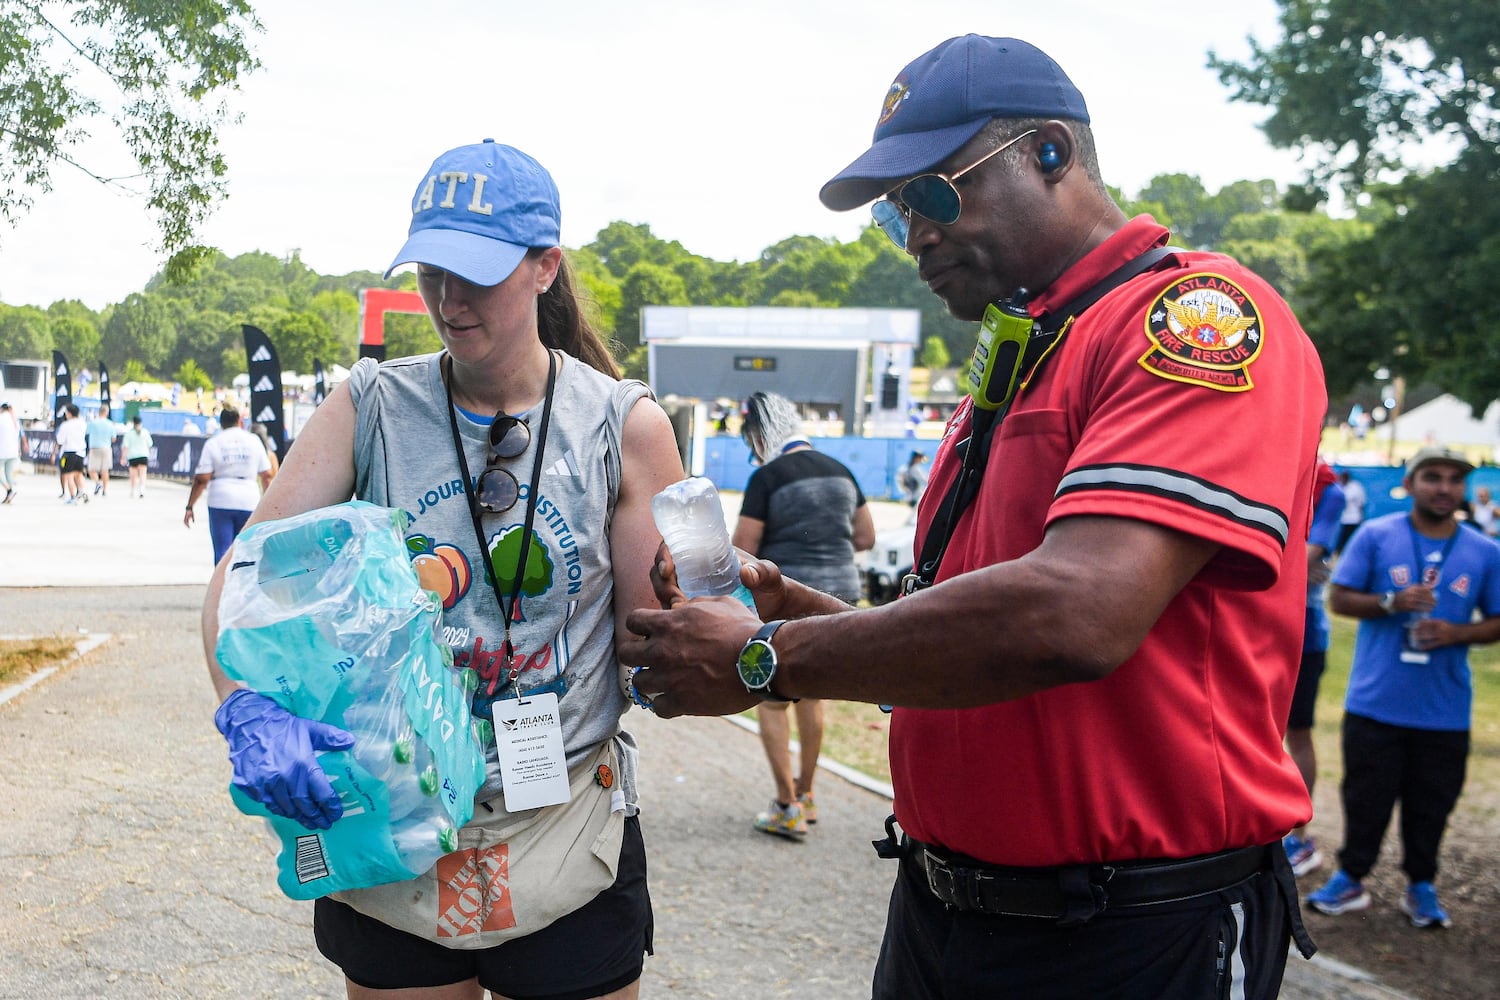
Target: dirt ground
pixel 1430 964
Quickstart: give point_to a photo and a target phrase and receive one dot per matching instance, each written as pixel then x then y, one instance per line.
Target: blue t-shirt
pixel 1324 531
pixel 101 432
pixel 1387 683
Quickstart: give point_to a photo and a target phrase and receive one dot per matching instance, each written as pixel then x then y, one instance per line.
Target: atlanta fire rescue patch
pixel 1204 330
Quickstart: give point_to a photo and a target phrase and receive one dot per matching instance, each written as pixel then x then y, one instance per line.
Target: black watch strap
pixel 763 635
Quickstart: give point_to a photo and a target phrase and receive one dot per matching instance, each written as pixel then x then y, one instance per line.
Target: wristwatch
pixel 757 663
pixel 1388 601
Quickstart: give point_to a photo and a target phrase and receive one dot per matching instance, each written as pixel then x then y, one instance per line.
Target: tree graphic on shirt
pixel 505 557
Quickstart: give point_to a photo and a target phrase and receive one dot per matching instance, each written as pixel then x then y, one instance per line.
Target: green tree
pixel 646 285
pixel 1356 86
pixel 1174 200
pixel 299 338
pixel 165 67
pixel 140 327
pixel 191 377
pixel 209 338
pixel 934 353
pixel 75 329
pixel 1277 245
pixel 1425 310
pixel 25 332
pixel 825 269
pixel 76 338
pixel 598 287
pixel 794 298
pixel 889 280
pixel 1197 219
pixel 340 310
pixel 407 334
pixel 620 246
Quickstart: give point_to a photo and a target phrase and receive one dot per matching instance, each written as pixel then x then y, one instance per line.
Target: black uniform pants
pixel 1229 943
pixel 1423 768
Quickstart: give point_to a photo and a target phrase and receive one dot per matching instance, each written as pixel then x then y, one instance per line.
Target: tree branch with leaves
pixel 156 72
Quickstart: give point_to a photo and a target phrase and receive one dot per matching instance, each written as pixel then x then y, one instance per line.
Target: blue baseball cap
pixel 478 209
pixel 942 99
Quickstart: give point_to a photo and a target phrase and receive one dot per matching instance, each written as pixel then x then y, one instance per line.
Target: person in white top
pixel 1355 500
pixel 1483 511
pixel 234 468
pixel 72 447
pixel 11 444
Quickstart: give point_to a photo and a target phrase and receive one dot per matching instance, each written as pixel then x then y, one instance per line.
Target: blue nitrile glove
pixel 272 751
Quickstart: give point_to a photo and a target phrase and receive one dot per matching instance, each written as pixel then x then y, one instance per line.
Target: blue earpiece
pixel 1050 160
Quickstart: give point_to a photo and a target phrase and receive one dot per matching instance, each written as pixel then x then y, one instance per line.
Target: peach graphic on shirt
pixel 441 568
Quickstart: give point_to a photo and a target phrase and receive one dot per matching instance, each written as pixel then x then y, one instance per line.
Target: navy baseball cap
pixel 942 99
pixel 478 209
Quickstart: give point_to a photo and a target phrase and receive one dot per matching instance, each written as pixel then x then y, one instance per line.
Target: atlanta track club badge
pixel 1204 330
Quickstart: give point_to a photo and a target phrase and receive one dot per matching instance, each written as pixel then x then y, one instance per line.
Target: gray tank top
pixel 562 625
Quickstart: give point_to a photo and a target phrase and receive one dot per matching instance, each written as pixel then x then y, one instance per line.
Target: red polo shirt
pixel 1189 397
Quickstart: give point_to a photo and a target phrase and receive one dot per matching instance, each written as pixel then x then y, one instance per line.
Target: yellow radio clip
pixel 995 369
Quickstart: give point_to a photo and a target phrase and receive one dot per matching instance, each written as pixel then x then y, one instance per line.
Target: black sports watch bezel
pixel 757 662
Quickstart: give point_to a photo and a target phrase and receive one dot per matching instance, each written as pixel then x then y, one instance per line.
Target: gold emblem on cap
pixel 893 98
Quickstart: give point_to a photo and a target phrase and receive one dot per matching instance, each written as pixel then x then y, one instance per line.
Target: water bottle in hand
pixel 691 521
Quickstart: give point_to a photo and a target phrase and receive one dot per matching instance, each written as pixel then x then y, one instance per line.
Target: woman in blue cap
pixel 528 467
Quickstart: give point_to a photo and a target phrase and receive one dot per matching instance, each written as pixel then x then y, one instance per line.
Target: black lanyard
pixel 506 610
pixel 1045 336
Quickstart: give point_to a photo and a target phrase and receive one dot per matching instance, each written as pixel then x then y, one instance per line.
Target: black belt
pixel 1074 893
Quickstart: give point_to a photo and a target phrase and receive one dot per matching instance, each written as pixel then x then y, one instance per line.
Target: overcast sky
pixel 714 123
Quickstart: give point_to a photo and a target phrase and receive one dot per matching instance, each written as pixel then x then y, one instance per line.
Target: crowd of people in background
pixel 89 451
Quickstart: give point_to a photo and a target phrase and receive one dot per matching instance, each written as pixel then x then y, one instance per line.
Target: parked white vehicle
pixel 886 563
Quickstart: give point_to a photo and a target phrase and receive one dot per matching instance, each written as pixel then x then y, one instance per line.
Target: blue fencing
pixel 173 456
pixel 874 461
pixel 1386 496
pixel 726 461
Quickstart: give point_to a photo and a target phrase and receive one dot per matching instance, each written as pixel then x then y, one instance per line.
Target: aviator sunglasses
pixel 498 489
pixel 932 196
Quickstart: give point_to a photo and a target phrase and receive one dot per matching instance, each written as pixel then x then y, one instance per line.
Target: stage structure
pixel 823 358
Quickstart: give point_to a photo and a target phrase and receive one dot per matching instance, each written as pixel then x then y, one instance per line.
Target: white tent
pixel 1449 420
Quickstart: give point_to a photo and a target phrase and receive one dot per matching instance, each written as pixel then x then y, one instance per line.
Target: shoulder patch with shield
pixel 1204 330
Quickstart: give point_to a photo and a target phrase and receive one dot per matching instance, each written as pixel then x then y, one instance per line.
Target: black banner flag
pixel 320 388
pixel 104 401
pixel 62 393
pixel 265 386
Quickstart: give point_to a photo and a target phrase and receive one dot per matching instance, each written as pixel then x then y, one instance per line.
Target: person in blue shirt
pixel 1415 581
pixel 101 432
pixel 1322 537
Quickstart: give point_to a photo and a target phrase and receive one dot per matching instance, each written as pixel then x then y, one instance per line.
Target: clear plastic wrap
pixel 323 613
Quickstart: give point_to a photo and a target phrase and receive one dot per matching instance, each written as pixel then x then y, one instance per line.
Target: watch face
pixel 757 664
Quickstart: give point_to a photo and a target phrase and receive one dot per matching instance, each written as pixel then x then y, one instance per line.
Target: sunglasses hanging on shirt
pixel 497 489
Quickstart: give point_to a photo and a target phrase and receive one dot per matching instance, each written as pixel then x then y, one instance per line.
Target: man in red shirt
pixel 1093 674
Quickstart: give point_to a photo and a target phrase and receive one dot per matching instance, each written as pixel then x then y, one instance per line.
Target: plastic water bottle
pixel 691 521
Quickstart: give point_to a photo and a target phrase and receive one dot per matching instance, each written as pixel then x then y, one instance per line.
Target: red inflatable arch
pixel 374 303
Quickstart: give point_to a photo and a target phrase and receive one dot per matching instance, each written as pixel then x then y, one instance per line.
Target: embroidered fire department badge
pixel 1205 330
